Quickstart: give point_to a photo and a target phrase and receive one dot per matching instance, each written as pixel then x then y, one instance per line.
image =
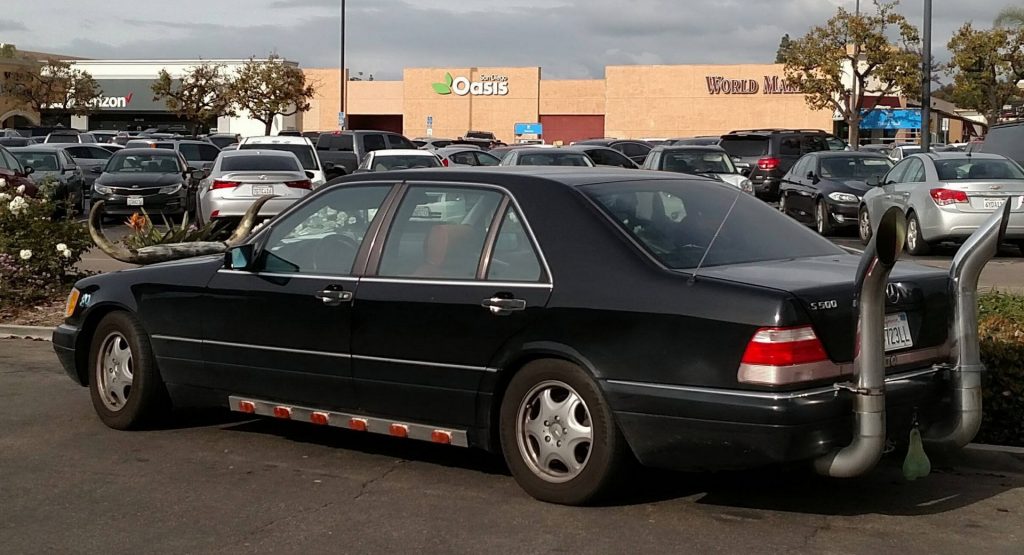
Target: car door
pixel 485 159
pixel 879 202
pixel 910 180
pixel 456 277
pixel 796 189
pixel 281 331
pixel 91 162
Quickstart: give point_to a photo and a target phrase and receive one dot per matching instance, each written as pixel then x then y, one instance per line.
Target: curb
pixel 995 448
pixel 11 331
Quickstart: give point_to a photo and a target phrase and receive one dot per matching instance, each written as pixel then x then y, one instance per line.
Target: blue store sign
pixel 892 119
pixel 529 129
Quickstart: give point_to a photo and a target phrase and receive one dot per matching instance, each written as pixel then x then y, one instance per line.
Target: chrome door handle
pixel 502 307
pixel 333 297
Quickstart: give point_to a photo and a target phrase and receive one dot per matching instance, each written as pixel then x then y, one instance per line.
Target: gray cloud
pixel 567 38
pixel 10 25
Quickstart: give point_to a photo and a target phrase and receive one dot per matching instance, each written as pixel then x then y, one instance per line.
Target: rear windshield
pixel 675 220
pixel 259 163
pixel 62 139
pixel 966 168
pixel 382 163
pixel 555 159
pixel 696 161
pixel 854 167
pixel 303 152
pixel 745 146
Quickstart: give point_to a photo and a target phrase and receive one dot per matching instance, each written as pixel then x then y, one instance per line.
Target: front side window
pixel 373 142
pixel 439 232
pixel 675 222
pixel 485 159
pixel 555 159
pixel 633 150
pixel 697 161
pixel 323 236
pixel 513 257
pixel 97 153
pixel 398 141
pixel 465 158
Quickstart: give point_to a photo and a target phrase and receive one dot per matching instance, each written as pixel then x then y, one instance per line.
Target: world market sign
pixel 772 84
pixel 485 85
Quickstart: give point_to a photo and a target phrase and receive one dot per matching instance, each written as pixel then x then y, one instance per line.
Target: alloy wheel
pixel 912 234
pixel 820 218
pixel 114 371
pixel 554 431
pixel 865 225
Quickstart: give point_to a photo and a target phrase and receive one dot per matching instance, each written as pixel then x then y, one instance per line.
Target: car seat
pixel 448 252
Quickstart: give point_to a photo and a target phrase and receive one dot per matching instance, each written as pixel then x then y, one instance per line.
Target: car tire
pixel 916 245
pixel 591 437
pixel 124 382
pixel 822 219
pixel 864 225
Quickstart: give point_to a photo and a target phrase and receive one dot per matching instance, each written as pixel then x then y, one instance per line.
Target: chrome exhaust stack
pixel 868 386
pixel 979 248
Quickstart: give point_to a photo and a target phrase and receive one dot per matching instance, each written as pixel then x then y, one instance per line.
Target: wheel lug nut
pixel 546 423
pixel 558 444
pixel 564 431
pixel 547 438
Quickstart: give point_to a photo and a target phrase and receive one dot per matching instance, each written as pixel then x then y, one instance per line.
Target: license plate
pixel 135 201
pixel 993 203
pixel 260 190
pixel 897 332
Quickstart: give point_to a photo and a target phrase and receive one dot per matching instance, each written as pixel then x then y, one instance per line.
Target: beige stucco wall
pixel 572 96
pixel 323 107
pixel 676 102
pixel 10 107
pixel 453 115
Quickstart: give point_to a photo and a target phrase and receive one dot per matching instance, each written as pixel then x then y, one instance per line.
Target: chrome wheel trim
pixel 554 431
pixel 865 224
pixel 782 204
pixel 114 371
pixel 912 233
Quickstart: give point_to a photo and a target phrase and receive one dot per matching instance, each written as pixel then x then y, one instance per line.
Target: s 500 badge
pixel 824 305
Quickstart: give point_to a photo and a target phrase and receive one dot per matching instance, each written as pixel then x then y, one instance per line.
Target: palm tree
pixel 1010 17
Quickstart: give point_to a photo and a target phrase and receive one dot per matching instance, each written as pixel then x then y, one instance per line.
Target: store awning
pixel 904 118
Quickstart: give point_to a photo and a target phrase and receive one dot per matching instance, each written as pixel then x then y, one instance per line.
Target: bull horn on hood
pixel 170 251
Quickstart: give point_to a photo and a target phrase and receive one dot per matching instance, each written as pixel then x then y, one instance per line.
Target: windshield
pixel 38 161
pixel 62 139
pixel 555 159
pixel 854 167
pixel 696 161
pixel 303 152
pixel 259 163
pixel 745 146
pixel 143 163
pixel 675 220
pixel 404 162
pixel 967 168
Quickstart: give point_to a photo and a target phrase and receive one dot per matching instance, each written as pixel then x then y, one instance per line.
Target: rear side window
pixel 745 146
pixel 813 143
pixel 513 257
pixel 259 163
pixel 373 142
pixel 633 150
pixel 675 220
pixel 398 141
pixel 789 146
pixel 334 142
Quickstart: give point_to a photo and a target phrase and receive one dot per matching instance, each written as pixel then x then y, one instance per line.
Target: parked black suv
pixel 771 153
pixel 1006 139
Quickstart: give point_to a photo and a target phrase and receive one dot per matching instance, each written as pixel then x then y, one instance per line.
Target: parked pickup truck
pixel 484 139
pixel 341 152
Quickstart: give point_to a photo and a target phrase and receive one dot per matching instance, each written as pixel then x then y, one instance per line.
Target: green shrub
pixel 38 250
pixel 1001 331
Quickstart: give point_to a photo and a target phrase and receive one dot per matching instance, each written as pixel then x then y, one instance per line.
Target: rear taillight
pixel 300 184
pixel 777 356
pixel 942 197
pixel 221 184
pixel 444 162
pixel 768 163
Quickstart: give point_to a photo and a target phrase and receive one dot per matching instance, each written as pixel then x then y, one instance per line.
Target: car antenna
pixel 711 243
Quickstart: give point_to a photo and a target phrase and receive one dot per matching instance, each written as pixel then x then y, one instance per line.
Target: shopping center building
pixel 637 101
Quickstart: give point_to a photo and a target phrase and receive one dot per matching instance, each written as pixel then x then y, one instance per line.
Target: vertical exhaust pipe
pixel 868 387
pixel 979 248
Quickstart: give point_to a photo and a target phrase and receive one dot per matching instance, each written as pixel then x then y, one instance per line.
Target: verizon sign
pixel 769 84
pixel 113 101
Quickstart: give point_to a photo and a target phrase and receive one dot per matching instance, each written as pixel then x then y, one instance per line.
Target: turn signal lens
pixel 944 197
pixel 301 184
pixel 72 303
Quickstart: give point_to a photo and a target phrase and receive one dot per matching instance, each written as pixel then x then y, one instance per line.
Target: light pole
pixel 926 84
pixel 343 84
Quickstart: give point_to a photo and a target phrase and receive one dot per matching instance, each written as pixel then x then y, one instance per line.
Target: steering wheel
pixel 332 248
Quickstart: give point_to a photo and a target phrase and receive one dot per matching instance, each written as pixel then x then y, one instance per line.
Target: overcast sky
pixel 567 38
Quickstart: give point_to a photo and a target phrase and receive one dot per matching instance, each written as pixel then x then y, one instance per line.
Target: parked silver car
pixel 239 177
pixel 461 155
pixel 946 196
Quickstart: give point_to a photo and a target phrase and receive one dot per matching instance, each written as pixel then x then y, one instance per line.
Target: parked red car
pixel 15 174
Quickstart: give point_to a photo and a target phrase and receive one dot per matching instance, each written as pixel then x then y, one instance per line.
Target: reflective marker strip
pixel 356 422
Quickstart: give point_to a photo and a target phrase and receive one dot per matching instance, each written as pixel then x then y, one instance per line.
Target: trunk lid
pixel 825 288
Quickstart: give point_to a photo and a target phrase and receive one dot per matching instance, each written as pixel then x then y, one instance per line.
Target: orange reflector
pixel 441 436
pixel 399 430
pixel 283 412
pixel 247 406
pixel 321 418
pixel 357 424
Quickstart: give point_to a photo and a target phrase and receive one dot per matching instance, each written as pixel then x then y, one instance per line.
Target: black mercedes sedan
pixel 157 180
pixel 824 188
pixel 569 318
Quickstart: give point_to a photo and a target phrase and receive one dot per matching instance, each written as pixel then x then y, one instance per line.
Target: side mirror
pixel 29 170
pixel 240 258
pixel 873 181
pixel 309 174
pixel 745 171
pixel 96 169
pixel 811 176
pixel 198 175
pixel 328 166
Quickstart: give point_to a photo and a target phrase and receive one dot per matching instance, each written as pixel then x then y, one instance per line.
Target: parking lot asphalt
pixel 212 482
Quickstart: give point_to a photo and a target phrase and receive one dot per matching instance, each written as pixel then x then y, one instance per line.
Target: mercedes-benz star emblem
pixel 892 293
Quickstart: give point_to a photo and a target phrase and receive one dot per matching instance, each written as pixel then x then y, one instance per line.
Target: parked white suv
pixel 301 147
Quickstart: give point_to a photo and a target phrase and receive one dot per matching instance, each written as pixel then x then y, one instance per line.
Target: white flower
pixel 25 254
pixel 66 253
pixel 17 205
pixel 4 197
pixel 20 189
pixel 3 182
pixel 61 247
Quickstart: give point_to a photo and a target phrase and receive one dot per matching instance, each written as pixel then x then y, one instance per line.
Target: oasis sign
pixel 485 85
pixel 773 84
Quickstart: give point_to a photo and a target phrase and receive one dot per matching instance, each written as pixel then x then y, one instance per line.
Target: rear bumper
pixel 235 208
pixel 766 184
pixel 940 225
pixel 689 428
